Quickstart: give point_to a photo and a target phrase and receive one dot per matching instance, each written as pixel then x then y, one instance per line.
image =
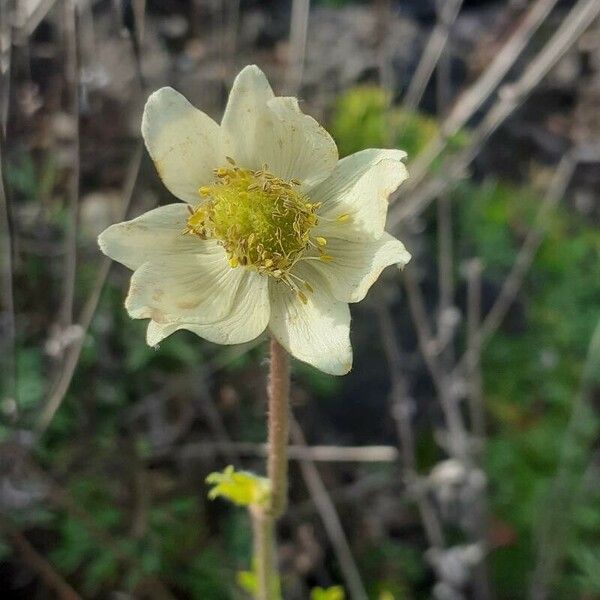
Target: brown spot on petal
pixel 188 305
pixel 159 168
pixel 157 315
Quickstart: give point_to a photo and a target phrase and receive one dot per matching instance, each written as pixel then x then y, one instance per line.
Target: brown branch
pixel 331 520
pixel 401 409
pixel 434 48
pixel 63 381
pixel 33 15
pixel 446 325
pixel 513 282
pixel 477 94
pixel 297 44
pixel 51 578
pixel 359 454
pixel 6 45
pixel 509 99
pixel 441 380
pixel 72 79
pixel 61 498
pixel 555 521
pixel 474 383
pixel 479 521
pixel 7 303
pixel 204 401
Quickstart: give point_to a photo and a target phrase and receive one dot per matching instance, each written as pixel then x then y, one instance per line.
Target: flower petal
pixel 317 332
pixel 294 145
pixel 184 143
pixel 195 288
pixel 154 234
pixel 359 187
pixel 246 319
pixel 246 105
pixel 259 128
pixel 355 266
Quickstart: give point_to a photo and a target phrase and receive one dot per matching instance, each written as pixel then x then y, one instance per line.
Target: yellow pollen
pixel 262 221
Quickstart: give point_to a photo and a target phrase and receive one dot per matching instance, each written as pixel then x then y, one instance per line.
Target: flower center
pixel 262 221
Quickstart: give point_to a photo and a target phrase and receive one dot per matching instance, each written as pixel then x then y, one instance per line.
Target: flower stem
pixel 264 519
pixel 267 587
pixel 278 429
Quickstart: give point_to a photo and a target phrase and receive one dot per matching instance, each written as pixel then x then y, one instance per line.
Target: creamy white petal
pixel 355 266
pixel 157 332
pixel 259 128
pixel 317 332
pixel 192 289
pixel 359 187
pixel 293 145
pixel 156 233
pixel 247 104
pixel 184 143
pixel 246 319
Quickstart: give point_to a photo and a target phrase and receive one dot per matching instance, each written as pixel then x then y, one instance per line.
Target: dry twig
pixel 297 44
pixel 474 385
pixel 401 410
pixel 7 305
pixel 557 518
pixel 477 94
pixel 510 98
pixel 72 79
pixel 359 454
pixel 513 282
pixel 441 380
pixel 52 579
pixel 331 520
pixel 61 498
pixel 447 13
pixel 61 385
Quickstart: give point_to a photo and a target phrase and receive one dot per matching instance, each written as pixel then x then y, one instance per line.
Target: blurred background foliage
pixel 532 371
pixel 127 500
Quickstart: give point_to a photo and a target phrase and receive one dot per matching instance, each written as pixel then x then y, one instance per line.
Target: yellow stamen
pixel 262 221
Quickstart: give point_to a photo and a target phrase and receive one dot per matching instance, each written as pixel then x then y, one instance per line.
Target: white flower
pixel 273 232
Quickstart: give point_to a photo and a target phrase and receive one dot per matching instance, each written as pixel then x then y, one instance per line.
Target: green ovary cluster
pixel 262 221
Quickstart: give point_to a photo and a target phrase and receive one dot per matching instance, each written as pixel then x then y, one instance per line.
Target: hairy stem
pixel 264 519
pixel 279 407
